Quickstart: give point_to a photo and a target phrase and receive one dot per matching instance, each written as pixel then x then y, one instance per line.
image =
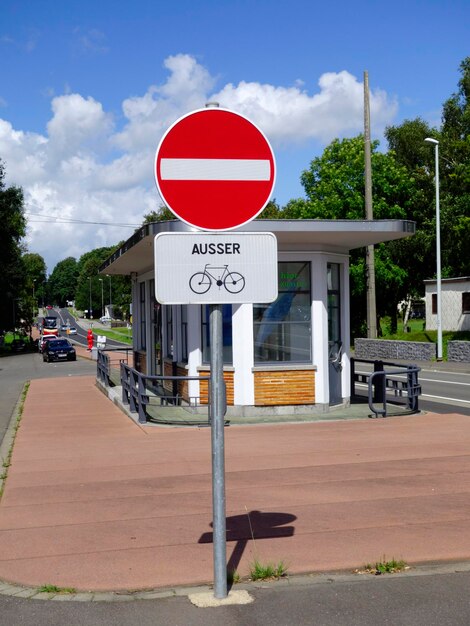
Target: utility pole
pixel 370 257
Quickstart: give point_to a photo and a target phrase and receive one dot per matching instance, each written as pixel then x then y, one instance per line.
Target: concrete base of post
pixel 207 599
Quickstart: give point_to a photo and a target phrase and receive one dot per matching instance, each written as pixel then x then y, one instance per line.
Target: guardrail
pixel 137 394
pixel 380 380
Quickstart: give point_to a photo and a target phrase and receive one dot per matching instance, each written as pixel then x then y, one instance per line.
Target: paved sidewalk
pixel 94 501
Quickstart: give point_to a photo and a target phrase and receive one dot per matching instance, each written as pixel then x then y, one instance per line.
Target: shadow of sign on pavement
pixel 252 525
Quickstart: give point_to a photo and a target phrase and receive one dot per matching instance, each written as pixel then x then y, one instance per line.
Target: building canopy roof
pixel 340 236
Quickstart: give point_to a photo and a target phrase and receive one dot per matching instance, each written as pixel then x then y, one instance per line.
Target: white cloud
pixel 84 167
pixel 288 115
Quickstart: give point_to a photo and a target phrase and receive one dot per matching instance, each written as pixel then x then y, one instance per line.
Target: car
pixel 72 330
pixel 49 306
pixel 105 319
pixel 44 340
pixel 63 328
pixel 59 350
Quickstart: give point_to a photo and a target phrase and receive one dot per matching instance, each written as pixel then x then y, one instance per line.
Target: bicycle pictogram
pixel 201 282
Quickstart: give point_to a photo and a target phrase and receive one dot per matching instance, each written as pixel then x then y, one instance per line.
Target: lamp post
pixel 89 309
pixel 34 303
pixel 102 297
pixel 438 250
pixel 110 297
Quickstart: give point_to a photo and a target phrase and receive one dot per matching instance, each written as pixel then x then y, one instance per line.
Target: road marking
pixel 446 382
pixel 424 396
pixel 427 380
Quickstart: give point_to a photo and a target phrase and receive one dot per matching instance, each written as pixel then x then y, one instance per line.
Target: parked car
pixel 59 350
pixel 44 340
pixel 105 319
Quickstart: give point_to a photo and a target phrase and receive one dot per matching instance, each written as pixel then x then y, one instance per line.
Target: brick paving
pixel 96 502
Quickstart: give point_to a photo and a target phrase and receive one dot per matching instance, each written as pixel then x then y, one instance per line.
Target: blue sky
pixel 88 88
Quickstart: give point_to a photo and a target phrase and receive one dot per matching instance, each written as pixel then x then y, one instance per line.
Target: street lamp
pixel 438 250
pixel 89 310
pixel 110 297
pixel 102 297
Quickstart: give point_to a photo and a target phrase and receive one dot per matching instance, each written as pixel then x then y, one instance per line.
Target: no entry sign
pixel 215 169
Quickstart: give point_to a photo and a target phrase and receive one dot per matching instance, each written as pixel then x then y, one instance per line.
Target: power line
pixel 47 219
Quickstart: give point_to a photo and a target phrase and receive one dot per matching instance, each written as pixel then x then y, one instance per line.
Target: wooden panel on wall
pixel 278 388
pixel 204 388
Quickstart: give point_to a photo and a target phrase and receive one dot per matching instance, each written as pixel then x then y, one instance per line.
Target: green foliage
pixel 119 334
pixel 163 214
pixel 334 186
pixel 233 577
pixel 63 281
pixel 55 589
pixel 268 571
pixel 386 567
pixel 13 275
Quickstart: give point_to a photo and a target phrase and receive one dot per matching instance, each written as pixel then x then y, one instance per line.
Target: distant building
pixel 455 301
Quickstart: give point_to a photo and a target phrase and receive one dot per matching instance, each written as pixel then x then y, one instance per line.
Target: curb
pixel 297 580
pixel 10 433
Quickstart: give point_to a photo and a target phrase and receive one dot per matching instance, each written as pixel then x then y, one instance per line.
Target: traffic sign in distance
pixel 215 169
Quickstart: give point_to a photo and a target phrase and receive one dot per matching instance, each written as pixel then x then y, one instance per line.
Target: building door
pixel 335 344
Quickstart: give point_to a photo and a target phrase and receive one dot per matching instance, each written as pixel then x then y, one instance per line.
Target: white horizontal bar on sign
pixel 215 169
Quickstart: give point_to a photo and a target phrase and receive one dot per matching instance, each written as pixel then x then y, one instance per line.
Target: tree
pixel 407 142
pixel 63 281
pixel 12 230
pixel 455 178
pixel 334 186
pixel 35 278
pixel 161 215
pixel 91 293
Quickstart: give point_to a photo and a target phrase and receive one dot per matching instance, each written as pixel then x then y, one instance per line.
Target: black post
pixel 379 387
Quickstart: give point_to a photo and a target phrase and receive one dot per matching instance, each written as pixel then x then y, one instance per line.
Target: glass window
pixel 282 329
pixel 466 302
pixel 184 333
pixel 143 336
pixel 226 331
pixel 169 330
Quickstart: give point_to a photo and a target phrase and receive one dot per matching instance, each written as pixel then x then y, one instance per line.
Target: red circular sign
pixel 215 169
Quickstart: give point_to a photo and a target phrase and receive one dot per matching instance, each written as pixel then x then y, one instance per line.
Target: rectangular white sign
pixel 215 268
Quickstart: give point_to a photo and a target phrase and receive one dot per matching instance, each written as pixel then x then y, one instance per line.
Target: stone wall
pixel 458 351
pixel 389 349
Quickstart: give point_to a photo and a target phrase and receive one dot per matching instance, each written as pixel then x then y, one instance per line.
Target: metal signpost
pixel 215 170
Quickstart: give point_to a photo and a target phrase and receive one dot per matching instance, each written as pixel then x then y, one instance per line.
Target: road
pixel 420 599
pixel 65 316
pixel 16 369
pixel 442 391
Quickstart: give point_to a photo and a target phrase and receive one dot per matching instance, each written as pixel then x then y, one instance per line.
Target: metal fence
pixel 144 394
pixel 395 379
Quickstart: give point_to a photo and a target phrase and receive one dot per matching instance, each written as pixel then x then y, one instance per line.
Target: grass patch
pixel 7 461
pixel 233 577
pixel 118 334
pixel 419 333
pixel 384 567
pixel 268 571
pixel 55 589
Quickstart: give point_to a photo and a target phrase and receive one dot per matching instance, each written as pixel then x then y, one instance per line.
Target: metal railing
pixel 381 380
pixel 140 390
pixel 108 362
